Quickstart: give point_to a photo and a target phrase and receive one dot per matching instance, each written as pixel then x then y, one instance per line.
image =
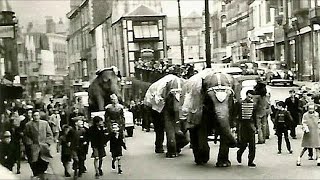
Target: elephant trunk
pixel 223 120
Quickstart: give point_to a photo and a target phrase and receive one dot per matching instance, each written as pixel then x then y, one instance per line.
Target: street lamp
pixel 207 33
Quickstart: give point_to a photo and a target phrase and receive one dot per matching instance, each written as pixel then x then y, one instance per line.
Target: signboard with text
pixel 6 31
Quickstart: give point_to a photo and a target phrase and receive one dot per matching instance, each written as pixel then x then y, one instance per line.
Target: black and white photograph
pixel 159 89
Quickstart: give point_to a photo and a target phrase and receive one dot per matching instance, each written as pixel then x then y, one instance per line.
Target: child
pixel 79 146
pixel 98 136
pixel 311 138
pixel 7 153
pixel 282 123
pixel 116 144
pixel 66 153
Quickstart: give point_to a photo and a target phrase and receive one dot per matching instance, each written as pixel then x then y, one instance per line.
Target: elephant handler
pixel 247 128
pixel 114 114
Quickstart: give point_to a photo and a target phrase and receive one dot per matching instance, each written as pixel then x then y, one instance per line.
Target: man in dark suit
pixel 293 106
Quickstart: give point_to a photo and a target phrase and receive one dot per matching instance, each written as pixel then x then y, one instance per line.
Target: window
pixel 146 31
pixel 268 14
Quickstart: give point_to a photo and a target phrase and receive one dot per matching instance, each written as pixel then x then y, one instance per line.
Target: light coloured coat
pixel 38 136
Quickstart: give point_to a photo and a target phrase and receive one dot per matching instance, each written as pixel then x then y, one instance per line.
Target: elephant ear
pixel 192 99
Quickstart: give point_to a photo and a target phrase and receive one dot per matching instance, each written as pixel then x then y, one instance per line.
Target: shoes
pixel 159 151
pixel 112 165
pixel 290 151
pixel 100 172
pixel 66 174
pixel 279 152
pixel 252 164
pixel 299 161
pixel 18 172
pixel 310 158
pixel 239 158
pixel 97 176
pixel 119 171
pixel 267 137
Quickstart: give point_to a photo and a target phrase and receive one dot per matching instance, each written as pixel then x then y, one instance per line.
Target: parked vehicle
pixel 276 72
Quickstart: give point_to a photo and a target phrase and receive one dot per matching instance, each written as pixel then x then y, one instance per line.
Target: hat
pixel 7 134
pixel 291 91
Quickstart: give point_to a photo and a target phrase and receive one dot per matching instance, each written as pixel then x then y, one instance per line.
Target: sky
pixel 36 10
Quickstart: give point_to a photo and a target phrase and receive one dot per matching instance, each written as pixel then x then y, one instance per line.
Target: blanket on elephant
pixel 156 93
pixel 192 95
pixel 191 101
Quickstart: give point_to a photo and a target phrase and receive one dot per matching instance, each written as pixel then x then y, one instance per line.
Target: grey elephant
pixel 208 104
pixel 162 99
pixel 105 84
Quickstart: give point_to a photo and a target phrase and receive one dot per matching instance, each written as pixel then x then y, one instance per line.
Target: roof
pixel 143 10
pixel 193 14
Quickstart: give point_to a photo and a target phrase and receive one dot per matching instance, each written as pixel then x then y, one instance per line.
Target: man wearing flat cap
pixel 293 106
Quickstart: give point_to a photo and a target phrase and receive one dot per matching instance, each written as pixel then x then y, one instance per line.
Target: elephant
pixel 162 99
pixel 105 84
pixel 209 104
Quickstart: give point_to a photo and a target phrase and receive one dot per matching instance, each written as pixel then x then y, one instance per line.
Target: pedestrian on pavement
pixel 116 144
pixel 293 106
pixel 38 138
pixel 282 123
pixel 98 135
pixel 310 139
pixel 262 110
pixel 65 143
pixel 7 151
pixel 247 129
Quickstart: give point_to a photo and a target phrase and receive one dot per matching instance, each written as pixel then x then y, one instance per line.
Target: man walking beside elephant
pixel 247 128
pixel 261 111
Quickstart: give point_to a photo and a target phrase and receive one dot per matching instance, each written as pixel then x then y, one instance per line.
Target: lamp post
pixel 181 35
pixel 207 33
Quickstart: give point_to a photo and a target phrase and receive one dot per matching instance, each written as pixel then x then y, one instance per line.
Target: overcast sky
pixel 36 10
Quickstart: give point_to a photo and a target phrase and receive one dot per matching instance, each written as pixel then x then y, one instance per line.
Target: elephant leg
pixel 194 142
pixel 200 147
pixel 204 148
pixel 159 131
pixel 171 139
pixel 223 155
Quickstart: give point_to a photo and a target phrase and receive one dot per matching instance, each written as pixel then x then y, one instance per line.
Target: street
pixel 140 161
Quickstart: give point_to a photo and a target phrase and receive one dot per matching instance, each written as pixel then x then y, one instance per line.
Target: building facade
pixel 219 32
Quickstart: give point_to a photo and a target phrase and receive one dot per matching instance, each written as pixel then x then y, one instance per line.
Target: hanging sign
pixel 6 32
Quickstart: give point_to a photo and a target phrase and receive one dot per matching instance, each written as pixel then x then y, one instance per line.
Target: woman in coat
pixel 310 139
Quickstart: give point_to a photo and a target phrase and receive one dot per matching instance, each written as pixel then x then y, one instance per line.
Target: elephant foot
pixel 223 163
pixel 171 155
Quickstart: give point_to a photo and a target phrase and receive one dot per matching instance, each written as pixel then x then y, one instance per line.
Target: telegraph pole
pixel 181 36
pixel 207 33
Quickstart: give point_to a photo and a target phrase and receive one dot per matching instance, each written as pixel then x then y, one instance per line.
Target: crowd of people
pixel 152 71
pixel 29 130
